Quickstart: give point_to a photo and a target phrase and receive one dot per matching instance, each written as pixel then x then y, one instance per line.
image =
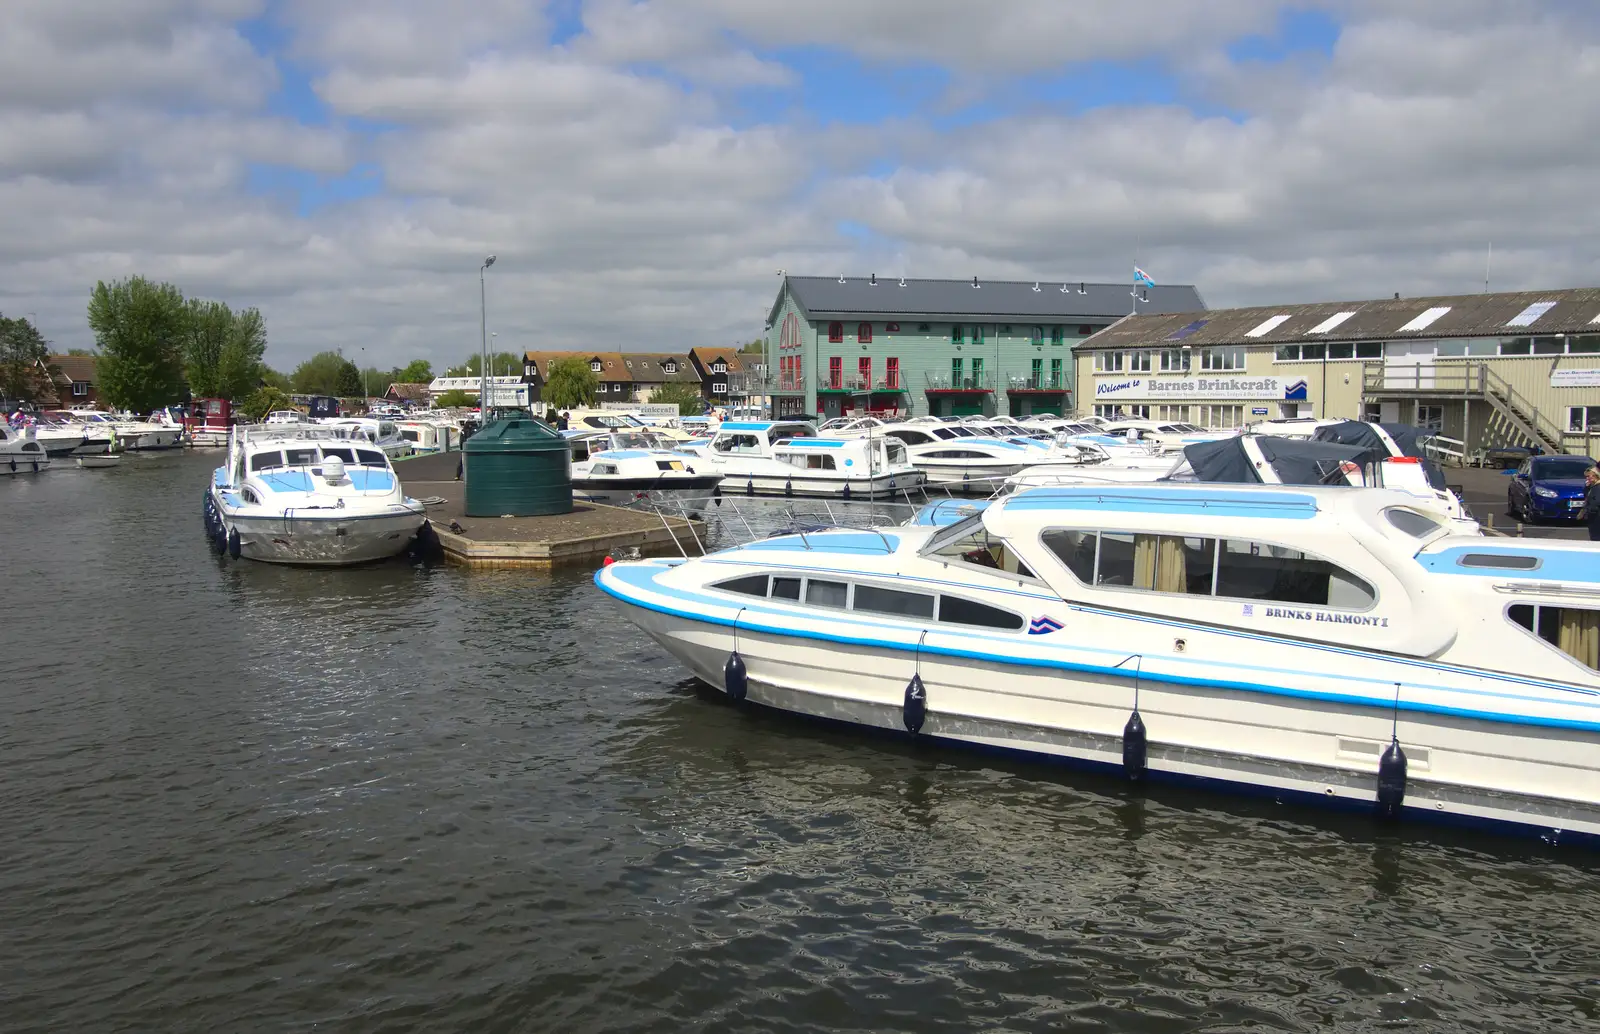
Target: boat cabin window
pixel 266 460
pixel 1575 631
pixel 969 542
pixel 603 468
pixel 896 453
pixel 827 594
pixel 580 448
pixel 1417 525
pixel 411 435
pixel 1233 568
pixel 737 443
pixel 957 611
pixel 1501 561
pixel 749 585
pixel 348 455
pixel 805 462
pixel 786 588
pixel 302 457
pixel 367 457
pixel 877 600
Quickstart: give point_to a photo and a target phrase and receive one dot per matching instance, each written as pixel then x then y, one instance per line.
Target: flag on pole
pixel 1141 278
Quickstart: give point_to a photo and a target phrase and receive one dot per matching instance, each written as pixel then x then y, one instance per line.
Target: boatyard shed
pixel 949 347
pixel 1506 368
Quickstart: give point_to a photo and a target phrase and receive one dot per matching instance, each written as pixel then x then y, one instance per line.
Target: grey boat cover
pixel 1295 460
pixel 1408 439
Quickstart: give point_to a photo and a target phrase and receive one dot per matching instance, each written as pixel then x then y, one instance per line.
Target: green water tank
pixel 519 467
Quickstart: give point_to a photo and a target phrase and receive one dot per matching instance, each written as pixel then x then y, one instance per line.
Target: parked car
pixel 1547 487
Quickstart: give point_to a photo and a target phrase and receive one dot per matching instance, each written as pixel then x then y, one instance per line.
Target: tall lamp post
pixel 483 330
pixel 366 392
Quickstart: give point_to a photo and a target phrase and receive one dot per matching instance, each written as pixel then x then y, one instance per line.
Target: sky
pixel 642 169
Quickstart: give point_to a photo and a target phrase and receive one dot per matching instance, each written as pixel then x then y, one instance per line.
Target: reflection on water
pixel 412 797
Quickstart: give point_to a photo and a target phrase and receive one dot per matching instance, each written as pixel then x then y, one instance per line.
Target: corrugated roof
pixel 1017 300
pixel 1571 310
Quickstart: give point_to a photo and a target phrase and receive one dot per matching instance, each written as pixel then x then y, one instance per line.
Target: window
pixel 1575 631
pixel 80 388
pixel 348 455
pixel 893 601
pixel 368 458
pixel 1411 522
pixel 864 369
pixel 1581 419
pixel 1234 568
pixel 717 387
pixel 955 372
pixel 1108 362
pixel 1173 413
pixel 1430 417
pixel 594 365
pixel 266 460
pixel 669 367
pixel 786 588
pixel 955 334
pixel 1036 374
pixel 1314 353
pixel 827 594
pixel 302 457
pixel 957 611
pixel 977 335
pixel 1231 358
pixel 1085 329
pixel 1500 561
pixel 1139 362
pixel 922 328
pixel 893 371
pixel 836 332
pixel 977 372
pixel 1173 361
pixel 835 372
pixel 969 542
pixel 1055 374
pixel 808 462
pixel 1058 335
pixel 863 332
pixel 749 585
pixel 1583 343
pixel 1038 335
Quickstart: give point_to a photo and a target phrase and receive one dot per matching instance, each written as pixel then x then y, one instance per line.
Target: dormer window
pixel 594 364
pixel 719 367
pixel 669 367
pixel 835 332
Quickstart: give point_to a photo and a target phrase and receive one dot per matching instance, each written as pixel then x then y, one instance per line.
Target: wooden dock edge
pixel 551 553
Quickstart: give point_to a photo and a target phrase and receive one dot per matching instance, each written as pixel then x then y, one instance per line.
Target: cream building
pixel 1508 368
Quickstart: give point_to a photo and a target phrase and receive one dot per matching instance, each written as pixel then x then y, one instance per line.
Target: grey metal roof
pixel 1565 311
pixel 1019 300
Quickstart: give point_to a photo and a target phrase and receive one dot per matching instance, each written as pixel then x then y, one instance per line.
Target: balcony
pixel 974 383
pixel 856 385
pixel 1036 384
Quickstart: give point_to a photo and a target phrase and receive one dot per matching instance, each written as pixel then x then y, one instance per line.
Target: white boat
pixel 952 454
pixel 61 437
pixel 764 457
pixel 1169 436
pixel 308 495
pixel 620 467
pixel 1322 644
pixel 429 436
pixel 385 434
pixel 287 417
pixel 126 432
pixel 99 462
pixel 20 452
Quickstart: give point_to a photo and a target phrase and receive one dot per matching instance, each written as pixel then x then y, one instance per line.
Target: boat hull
pixel 881 486
pixel 322 541
pixel 151 441
pixel 1080 718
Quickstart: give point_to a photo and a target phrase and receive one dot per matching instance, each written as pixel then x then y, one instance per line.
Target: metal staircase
pixel 1465 381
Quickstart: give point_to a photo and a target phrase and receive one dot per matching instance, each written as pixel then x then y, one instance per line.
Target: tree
pixel 273 379
pixel 139 327
pixel 755 347
pixel 455 398
pixel 319 375
pixel 685 396
pixel 501 364
pixel 239 368
pixel 22 349
pixel 80 352
pixel 262 401
pixel 570 383
pixel 349 383
pixel 417 371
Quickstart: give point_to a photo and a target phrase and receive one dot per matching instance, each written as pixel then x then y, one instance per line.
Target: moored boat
pixel 307 495
pixel 762 457
pixel 20 452
pixel 1326 644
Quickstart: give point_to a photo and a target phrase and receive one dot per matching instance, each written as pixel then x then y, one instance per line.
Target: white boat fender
pixel 734 678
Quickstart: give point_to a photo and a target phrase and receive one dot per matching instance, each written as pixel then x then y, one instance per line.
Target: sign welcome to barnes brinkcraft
pixel 1200 388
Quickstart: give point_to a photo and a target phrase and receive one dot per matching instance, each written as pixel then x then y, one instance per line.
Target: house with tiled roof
pixel 73 379
pixel 717 369
pixel 623 376
pixel 409 394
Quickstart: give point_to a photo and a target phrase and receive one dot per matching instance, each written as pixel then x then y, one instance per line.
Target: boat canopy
pixel 1296 461
pixel 1407 439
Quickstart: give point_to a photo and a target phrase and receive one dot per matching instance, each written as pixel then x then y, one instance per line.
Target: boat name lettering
pixel 1366 620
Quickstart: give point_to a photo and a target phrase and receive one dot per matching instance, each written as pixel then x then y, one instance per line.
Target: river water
pixel 409 797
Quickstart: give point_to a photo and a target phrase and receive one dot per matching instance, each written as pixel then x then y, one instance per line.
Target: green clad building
pixel 838 345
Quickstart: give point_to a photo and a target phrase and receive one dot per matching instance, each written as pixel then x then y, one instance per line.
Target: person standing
pixel 1591 502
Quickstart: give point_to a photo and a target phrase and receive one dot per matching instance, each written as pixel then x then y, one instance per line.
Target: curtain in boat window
pixel 1580 635
pixel 1158 563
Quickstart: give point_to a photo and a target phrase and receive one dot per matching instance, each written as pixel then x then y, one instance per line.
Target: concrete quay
pixel 586 535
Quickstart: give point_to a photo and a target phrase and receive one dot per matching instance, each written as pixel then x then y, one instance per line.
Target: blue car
pixel 1547 487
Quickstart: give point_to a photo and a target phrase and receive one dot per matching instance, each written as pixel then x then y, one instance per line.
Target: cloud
pixel 638 196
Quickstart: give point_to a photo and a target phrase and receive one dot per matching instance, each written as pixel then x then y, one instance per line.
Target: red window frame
pixel 863 332
pixel 835 332
pixel 835 372
pixel 893 372
pixel 864 369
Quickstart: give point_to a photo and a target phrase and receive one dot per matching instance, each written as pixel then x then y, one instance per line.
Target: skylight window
pixel 1185 331
pixel 1268 325
pixel 1426 319
pixel 1527 316
pixel 1332 321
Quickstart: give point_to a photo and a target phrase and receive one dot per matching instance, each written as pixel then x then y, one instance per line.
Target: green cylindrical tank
pixel 517 467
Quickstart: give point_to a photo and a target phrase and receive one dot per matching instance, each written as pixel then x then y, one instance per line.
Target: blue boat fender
pixel 915 710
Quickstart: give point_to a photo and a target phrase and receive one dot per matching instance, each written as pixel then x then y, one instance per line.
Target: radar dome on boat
pixel 332 469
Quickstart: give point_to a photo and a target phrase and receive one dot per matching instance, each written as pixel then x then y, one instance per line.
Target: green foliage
pixel 82 352
pixel 262 401
pixel 22 348
pixel 273 379
pixel 223 350
pixel 319 375
pixel 455 398
pixel 140 329
pixel 756 347
pixel 349 385
pixel 417 371
pixel 570 383
pixel 685 396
